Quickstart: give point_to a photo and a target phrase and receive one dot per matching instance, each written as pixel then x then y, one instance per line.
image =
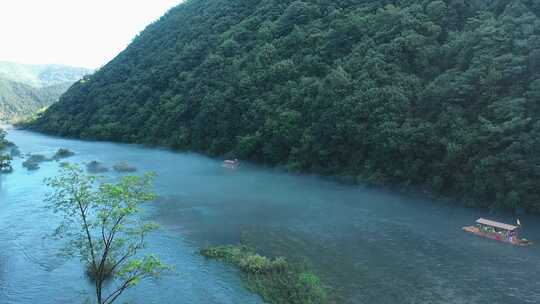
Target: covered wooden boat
pixel 498 231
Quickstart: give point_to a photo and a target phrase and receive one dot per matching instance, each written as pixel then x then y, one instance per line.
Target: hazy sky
pixel 85 33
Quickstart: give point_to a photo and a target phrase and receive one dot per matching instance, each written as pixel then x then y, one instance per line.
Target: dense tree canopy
pixel 437 94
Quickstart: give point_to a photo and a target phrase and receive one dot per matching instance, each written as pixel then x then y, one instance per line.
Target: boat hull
pixel 495 236
pixel 230 166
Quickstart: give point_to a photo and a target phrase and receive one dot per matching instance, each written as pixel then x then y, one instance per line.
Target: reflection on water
pixel 370 246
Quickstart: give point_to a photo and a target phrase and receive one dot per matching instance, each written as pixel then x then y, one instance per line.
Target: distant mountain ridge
pixel 26 88
pixel 42 75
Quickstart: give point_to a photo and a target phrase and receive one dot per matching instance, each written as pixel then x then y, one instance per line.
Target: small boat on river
pixel 498 231
pixel 231 164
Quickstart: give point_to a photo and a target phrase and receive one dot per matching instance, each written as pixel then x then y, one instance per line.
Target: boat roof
pixel 494 224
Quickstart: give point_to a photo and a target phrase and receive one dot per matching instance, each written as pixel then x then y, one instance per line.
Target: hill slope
pixel 16 98
pixel 41 75
pixel 27 88
pixel 437 94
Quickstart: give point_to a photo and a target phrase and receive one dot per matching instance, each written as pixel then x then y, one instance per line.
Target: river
pixel 370 246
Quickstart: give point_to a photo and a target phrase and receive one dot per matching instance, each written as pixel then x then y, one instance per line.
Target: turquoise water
pixel 370 246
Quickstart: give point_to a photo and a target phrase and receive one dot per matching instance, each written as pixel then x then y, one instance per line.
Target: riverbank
pixel 416 192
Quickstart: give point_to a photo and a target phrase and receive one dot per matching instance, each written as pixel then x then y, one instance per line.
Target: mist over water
pixel 370 246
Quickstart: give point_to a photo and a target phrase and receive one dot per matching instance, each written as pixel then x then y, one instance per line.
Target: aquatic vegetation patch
pixel 63 153
pixel 124 167
pixel 15 152
pixel 33 161
pixel 30 166
pixel 95 167
pixel 276 280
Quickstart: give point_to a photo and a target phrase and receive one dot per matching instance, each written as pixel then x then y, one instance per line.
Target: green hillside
pixel 16 98
pixel 26 88
pixel 441 95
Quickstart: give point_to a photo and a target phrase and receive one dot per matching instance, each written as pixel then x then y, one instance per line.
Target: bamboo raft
pixel 497 231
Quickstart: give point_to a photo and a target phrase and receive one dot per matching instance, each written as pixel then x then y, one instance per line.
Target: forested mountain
pixel 437 94
pixel 27 88
pixel 41 75
pixel 16 98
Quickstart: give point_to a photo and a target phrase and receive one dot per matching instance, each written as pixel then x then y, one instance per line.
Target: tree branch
pixel 113 296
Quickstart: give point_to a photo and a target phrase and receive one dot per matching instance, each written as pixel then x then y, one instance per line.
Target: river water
pixel 369 246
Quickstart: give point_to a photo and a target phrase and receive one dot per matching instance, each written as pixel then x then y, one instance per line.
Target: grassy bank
pixel 276 280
